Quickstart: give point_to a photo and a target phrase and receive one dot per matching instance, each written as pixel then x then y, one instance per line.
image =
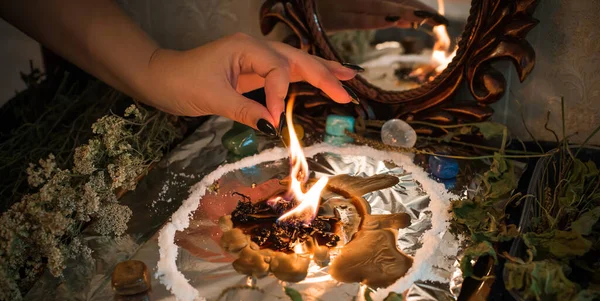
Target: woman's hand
pixel 202 81
pixel 210 79
pixel 374 14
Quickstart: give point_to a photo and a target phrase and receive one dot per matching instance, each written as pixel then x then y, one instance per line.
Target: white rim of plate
pixel 169 275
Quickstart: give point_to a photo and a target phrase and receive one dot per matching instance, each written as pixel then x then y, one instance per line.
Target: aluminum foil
pixel 213 274
pixel 208 268
pixel 163 190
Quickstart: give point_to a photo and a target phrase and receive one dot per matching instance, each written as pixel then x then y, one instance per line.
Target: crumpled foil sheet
pixel 209 268
pixel 161 192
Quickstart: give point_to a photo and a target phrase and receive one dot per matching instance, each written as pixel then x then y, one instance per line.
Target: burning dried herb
pixel 259 220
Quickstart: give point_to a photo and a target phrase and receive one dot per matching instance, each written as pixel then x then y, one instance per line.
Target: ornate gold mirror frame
pixel 495 30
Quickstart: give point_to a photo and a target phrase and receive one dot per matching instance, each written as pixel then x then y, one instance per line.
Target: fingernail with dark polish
pixel 265 127
pixel 437 18
pixel 440 20
pixel 392 18
pixel 353 95
pixel 281 123
pixel 423 14
pixel 356 68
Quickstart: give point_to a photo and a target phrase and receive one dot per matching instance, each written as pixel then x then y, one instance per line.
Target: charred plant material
pixel 369 253
pixel 259 220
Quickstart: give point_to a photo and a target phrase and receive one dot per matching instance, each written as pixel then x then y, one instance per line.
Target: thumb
pixel 243 110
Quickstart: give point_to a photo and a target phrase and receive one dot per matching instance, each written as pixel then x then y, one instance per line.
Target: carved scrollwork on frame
pixel 495 30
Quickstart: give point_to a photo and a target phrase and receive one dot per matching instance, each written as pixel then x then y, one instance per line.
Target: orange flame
pixel 306 210
pixel 440 55
pixel 440 58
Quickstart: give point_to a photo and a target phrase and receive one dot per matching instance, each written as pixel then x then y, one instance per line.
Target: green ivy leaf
pixel 474 252
pixel 560 244
pixel 470 213
pixel 584 224
pixel 393 297
pixel 501 179
pixel 293 294
pixel 501 233
pixel 588 295
pixel 490 129
pixel 540 280
pixel 367 294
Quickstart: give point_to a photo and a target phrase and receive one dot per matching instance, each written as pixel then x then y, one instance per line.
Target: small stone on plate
pixel 130 277
pixel 443 168
pixel 338 140
pixel 396 132
pixel 448 183
pixel 240 140
pixel 286 135
pixel 336 125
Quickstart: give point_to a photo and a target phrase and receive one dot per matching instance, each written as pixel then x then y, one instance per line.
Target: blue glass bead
pixel 240 140
pixel 337 140
pixel 449 183
pixel 443 168
pixel 337 125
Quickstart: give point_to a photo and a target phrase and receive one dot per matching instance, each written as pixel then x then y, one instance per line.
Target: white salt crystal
pixel 425 258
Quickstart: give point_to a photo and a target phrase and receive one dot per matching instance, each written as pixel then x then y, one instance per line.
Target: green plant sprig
pixel 380 145
pixel 42 229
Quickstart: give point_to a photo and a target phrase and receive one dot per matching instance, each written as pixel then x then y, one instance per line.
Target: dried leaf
pixel 367 294
pixel 501 179
pixel 465 130
pixel 501 233
pixel 584 224
pixel 293 294
pixel 540 280
pixel 474 252
pixel 490 129
pixel 560 244
pixel 588 295
pixel 579 178
pixel 393 297
pixel 470 213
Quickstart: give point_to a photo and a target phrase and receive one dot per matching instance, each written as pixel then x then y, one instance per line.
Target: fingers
pixel 280 64
pixel 338 70
pixel 243 110
pixel 251 81
pixel 260 59
pixel 313 72
pixel 276 88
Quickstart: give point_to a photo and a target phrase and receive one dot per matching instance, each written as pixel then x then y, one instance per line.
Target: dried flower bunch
pixel 42 229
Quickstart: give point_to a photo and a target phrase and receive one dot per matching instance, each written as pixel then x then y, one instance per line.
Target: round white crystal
pixel 396 132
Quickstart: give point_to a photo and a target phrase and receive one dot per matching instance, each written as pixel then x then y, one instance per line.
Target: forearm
pixel 95 35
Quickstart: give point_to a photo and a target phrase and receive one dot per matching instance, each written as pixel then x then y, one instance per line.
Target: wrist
pixel 155 86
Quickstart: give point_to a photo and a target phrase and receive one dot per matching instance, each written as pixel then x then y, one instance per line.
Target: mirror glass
pixel 395 57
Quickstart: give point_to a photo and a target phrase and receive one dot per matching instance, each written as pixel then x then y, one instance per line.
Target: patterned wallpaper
pixel 185 24
pixel 568 65
pixel 566 43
